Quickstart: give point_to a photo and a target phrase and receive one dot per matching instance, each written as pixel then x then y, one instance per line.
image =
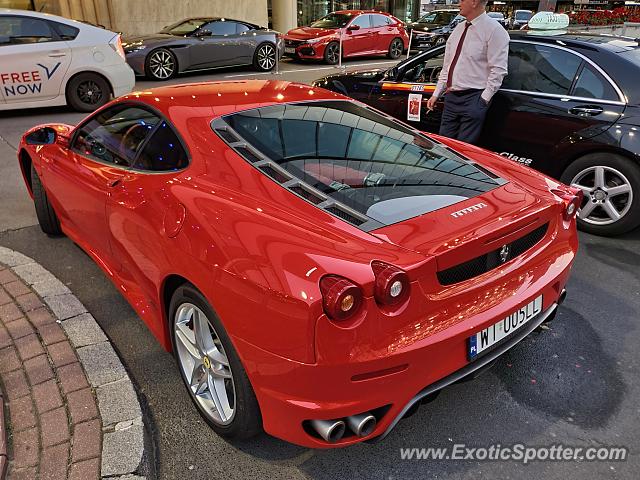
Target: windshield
pixel 438 17
pixel 523 15
pixel 496 15
pixel 333 20
pixel 370 163
pixel 185 27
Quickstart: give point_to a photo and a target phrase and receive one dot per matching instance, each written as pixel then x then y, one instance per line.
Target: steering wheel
pixel 128 143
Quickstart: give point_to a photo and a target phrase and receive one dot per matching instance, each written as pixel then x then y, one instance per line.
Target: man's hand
pixel 431 102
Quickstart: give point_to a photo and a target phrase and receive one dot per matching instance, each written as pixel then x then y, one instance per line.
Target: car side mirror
pixel 42 136
pixel 353 27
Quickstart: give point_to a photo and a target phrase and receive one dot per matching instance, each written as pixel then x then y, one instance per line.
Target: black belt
pixel 468 91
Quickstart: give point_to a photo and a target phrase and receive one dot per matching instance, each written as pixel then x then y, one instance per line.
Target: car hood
pixel 372 75
pixel 306 33
pixel 425 27
pixel 151 39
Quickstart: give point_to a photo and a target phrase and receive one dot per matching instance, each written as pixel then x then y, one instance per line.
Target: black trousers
pixel 463 115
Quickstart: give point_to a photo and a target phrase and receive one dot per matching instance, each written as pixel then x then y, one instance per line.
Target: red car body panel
pixel 257 252
pixel 361 42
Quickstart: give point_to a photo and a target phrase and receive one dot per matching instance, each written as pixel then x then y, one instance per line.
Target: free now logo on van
pixel 26 82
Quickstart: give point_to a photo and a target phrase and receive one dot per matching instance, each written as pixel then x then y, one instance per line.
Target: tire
pixel 160 65
pixel 395 48
pixel 87 92
pixel 440 41
pixel 47 217
pixel 264 58
pixel 332 53
pixel 596 174
pixel 243 420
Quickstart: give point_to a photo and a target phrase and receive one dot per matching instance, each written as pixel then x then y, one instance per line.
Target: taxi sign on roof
pixel 549 21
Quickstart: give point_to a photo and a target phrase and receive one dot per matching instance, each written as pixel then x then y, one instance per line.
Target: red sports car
pixel 317 267
pixel 363 32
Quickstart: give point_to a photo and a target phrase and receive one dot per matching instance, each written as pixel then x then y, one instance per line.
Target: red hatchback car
pixel 363 32
pixel 317 267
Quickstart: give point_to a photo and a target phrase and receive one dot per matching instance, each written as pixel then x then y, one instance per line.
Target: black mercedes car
pixel 569 107
pixel 433 29
pixel 200 44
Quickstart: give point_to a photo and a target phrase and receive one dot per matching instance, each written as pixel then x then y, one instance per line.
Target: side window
pixel 115 135
pixel 221 28
pixel 425 71
pixel 363 21
pixel 66 32
pixel 591 84
pixel 241 27
pixel 538 68
pixel 163 152
pixel 24 30
pixel 378 20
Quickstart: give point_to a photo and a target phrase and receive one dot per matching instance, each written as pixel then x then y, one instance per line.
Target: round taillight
pixel 392 284
pixel 341 298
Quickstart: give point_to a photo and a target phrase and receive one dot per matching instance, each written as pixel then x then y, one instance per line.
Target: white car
pixel 48 60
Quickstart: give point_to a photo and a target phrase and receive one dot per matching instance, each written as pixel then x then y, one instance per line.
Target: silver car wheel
pixel 266 57
pixel 162 64
pixel 204 364
pixel 396 48
pixel 607 195
pixel 440 41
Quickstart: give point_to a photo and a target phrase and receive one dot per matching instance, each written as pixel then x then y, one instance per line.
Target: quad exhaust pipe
pixel 362 424
pixel 332 431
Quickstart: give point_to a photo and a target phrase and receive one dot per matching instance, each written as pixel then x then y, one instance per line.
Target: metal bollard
pixel 409 48
pixel 278 43
pixel 340 50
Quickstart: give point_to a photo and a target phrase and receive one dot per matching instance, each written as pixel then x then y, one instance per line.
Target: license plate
pixel 289 50
pixel 488 337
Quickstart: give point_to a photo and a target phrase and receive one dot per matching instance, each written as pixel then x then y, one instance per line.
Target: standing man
pixel 475 62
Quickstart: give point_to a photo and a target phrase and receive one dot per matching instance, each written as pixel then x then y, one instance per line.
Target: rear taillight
pixel 341 298
pixel 572 198
pixel 391 285
pixel 116 44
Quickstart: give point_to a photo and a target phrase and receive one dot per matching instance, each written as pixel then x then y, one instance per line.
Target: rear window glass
pixel 366 161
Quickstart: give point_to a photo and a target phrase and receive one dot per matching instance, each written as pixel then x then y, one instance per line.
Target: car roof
pixel 214 99
pixel 357 12
pixel 588 41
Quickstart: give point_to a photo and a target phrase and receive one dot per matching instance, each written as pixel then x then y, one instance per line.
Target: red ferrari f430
pixel 316 267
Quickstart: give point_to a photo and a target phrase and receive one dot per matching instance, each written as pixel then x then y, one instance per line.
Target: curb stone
pixel 123 430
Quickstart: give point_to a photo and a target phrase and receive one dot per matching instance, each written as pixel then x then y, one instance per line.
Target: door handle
pixel 57 54
pixel 586 111
pixel 114 183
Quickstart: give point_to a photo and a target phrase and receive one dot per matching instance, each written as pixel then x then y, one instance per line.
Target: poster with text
pixel 413 108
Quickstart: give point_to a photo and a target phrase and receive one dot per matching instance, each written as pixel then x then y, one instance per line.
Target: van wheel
pixel 611 187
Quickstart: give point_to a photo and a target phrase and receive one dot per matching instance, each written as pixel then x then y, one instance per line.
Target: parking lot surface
pixel 575 384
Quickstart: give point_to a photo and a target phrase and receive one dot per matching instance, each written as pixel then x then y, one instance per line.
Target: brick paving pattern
pixel 52 422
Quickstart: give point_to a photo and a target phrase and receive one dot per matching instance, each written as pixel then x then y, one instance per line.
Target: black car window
pixel 424 71
pixel 378 20
pixel 15 30
pixel 591 84
pixel 115 134
pixel 363 21
pixel 163 152
pixel 66 32
pixel 375 165
pixel 221 27
pixel 539 68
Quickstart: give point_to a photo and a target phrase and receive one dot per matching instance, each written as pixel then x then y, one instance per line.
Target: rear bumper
pixel 122 79
pixel 292 393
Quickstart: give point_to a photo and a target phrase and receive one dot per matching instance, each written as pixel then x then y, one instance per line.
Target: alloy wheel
pixel 266 57
pixel 89 92
pixel 607 195
pixel 440 41
pixel 162 64
pixel 204 364
pixel 396 48
pixel 332 53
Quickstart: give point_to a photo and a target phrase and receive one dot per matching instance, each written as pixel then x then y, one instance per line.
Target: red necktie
pixel 455 57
